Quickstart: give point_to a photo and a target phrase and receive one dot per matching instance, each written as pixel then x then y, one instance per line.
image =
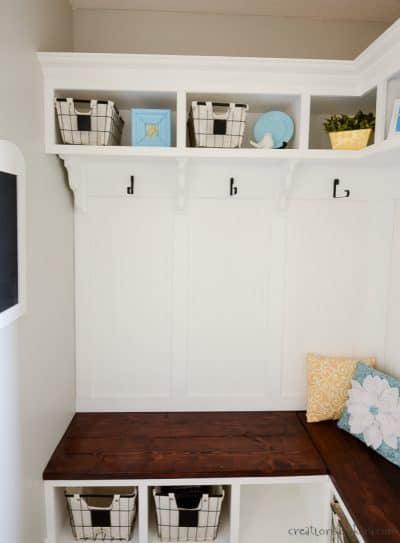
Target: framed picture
pixel 151 127
pixel 12 233
pixel 395 122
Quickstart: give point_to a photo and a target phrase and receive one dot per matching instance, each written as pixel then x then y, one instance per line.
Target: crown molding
pixel 385 11
pixel 374 57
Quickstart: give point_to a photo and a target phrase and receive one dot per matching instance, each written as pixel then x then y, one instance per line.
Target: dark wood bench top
pixel 179 445
pixel 368 484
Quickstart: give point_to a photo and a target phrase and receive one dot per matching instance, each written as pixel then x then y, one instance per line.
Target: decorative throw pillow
pixel 329 380
pixel 372 412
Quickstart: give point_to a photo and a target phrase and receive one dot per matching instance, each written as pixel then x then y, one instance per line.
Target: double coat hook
pixel 346 192
pixel 233 189
pixel 130 189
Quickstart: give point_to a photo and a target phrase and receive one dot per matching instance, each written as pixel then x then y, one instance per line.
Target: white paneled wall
pixel 215 306
pixel 228 297
pixel 125 315
pixel 392 358
pixel 327 284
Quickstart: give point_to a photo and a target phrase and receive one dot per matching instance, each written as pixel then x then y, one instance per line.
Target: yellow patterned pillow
pixel 329 380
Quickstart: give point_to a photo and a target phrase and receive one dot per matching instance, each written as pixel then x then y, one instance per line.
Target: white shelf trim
pixel 192 152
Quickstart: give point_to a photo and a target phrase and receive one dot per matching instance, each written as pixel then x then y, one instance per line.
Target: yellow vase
pixel 350 140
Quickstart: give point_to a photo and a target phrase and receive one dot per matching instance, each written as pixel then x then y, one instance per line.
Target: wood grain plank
pixel 175 445
pixel 368 484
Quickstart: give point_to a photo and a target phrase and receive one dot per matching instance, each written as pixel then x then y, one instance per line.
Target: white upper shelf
pixel 387 152
pixel 173 81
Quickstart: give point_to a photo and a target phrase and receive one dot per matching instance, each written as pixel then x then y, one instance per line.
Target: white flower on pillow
pixel 374 409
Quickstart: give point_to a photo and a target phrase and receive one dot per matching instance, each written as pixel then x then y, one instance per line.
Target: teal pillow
pixel 372 412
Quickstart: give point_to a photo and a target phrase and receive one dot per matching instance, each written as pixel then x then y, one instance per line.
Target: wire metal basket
pixel 102 514
pixel 341 530
pixel 216 124
pixel 188 513
pixel 89 122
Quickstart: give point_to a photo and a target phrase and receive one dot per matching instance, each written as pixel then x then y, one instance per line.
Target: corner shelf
pixel 308 90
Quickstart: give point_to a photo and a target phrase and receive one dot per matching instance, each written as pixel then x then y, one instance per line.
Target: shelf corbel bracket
pixel 181 162
pixel 77 181
pixel 288 184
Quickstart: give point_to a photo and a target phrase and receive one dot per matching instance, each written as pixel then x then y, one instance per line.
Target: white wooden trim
pixel 384 149
pixel 12 161
pixel 305 111
pixel 381 104
pixel 181 114
pixel 77 181
pixel 143 512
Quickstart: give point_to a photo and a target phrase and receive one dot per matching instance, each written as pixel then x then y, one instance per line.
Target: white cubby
pixel 125 101
pixel 323 107
pixel 280 512
pixel 58 521
pixel 223 535
pixel 258 104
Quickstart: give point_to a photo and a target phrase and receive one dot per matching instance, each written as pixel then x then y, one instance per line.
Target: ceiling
pixel 352 10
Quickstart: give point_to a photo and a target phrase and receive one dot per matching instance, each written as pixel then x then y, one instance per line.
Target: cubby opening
pixel 125 101
pixel 258 105
pixel 223 531
pixel 63 518
pixel 323 107
pixel 284 513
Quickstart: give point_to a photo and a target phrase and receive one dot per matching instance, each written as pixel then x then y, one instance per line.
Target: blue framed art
pixel 395 122
pixel 151 127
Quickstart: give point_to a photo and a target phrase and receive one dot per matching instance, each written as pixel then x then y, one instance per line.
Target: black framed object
pixel 9 280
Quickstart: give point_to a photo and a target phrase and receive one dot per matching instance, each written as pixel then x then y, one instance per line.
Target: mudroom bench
pixel 280 474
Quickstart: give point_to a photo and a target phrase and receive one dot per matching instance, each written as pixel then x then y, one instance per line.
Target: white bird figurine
pixel 267 142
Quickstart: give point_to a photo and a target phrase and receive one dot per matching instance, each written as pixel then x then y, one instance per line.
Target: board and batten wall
pixel 37 388
pixel 215 306
pixel 129 31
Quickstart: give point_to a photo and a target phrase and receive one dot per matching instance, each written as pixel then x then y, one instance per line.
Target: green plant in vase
pixel 350 132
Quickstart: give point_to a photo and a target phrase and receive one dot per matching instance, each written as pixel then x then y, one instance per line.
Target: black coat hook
pixel 131 188
pixel 233 190
pixel 335 187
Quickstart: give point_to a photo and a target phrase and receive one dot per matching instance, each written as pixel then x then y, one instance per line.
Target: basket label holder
pixel 84 122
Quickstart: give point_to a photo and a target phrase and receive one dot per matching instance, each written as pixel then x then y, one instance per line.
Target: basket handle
pixel 88 112
pixel 226 108
pixel 172 498
pixel 94 508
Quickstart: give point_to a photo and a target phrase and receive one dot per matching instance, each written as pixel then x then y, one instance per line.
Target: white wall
pixel 36 353
pixel 119 31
